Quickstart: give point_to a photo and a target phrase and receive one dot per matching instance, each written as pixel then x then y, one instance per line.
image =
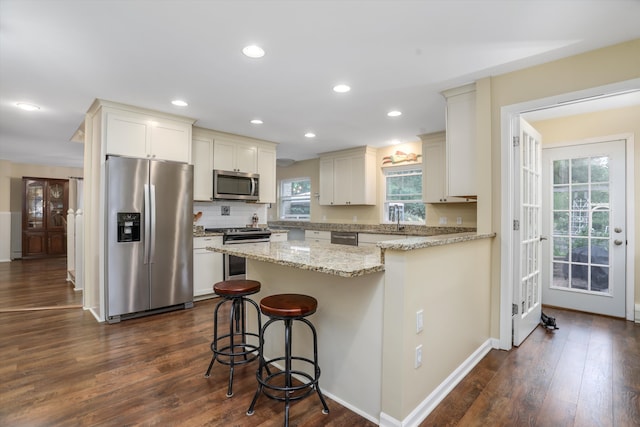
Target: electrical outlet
pixel 418 356
pixel 419 321
pixel 443 220
pixel 459 220
pixel 355 218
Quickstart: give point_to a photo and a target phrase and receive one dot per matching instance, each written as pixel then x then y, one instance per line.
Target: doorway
pixel 509 115
pixel 584 205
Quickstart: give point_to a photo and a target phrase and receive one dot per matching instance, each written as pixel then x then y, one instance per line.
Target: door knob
pixel 617 242
pixel 618 230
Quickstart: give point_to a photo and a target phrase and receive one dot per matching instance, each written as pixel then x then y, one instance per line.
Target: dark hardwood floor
pixel 60 367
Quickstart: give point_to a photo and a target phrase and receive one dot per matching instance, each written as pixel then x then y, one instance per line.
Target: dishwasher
pixel 344 238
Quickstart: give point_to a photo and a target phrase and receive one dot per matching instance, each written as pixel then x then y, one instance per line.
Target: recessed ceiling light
pixel 341 88
pixel 27 107
pixel 253 51
pixel 310 135
pixel 179 103
pixel 395 141
pixel 256 121
pixel 394 113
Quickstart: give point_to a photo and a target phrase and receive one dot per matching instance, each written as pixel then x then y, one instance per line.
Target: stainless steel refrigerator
pixel 149 237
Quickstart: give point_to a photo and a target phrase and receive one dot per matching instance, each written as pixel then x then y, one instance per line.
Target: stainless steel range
pixel 235 267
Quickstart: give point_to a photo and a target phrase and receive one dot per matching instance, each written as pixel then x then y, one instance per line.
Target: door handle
pixel 617 242
pixel 543 238
pixel 618 230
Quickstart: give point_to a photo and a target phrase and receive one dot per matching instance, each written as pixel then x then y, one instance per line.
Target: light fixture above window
pixel 394 113
pixel 27 107
pixel 257 121
pixel 310 135
pixel 341 88
pixel 253 51
pixel 179 103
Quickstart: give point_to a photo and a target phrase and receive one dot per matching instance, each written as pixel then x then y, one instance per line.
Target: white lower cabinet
pixel 278 237
pixel 317 236
pixel 207 265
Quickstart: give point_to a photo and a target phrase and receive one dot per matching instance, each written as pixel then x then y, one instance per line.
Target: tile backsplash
pixel 222 214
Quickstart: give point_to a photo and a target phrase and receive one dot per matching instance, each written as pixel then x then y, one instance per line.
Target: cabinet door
pixel 433 174
pixel 461 145
pixel 170 141
pixel 343 176
pixel 34 204
pixel 34 243
pixel 56 243
pixel 326 182
pixel 246 158
pixel 207 265
pixel 224 155
pixel 126 136
pixel 56 201
pixel 202 151
pixel 267 171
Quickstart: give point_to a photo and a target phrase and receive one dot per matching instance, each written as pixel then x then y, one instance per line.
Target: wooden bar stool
pixel 279 384
pixel 232 348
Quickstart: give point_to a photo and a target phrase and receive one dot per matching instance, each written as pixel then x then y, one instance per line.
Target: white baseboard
pixel 350 407
pixel 429 404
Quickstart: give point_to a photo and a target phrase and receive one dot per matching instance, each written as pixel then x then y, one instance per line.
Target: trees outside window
pixel 295 198
pixel 403 195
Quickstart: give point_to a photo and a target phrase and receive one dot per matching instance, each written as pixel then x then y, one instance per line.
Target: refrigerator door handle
pixel 147 223
pixel 152 239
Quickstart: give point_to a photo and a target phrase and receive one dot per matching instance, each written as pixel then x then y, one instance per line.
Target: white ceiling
pixel 62 54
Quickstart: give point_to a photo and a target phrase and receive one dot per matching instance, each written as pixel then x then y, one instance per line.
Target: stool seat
pixel 236 287
pixel 288 305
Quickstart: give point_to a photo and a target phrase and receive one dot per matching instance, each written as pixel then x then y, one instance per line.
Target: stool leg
pixel 215 337
pixel 261 364
pixel 315 365
pixel 233 321
pixel 287 369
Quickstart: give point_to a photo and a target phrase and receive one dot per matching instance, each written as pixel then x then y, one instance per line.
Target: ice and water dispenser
pixel 128 226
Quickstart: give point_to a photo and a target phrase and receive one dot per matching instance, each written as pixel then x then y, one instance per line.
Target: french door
pixel 527 233
pixel 584 204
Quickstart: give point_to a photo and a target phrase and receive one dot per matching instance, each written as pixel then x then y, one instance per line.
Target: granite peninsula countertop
pixel 339 260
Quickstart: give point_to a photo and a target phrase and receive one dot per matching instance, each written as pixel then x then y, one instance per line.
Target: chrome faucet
pixel 398 228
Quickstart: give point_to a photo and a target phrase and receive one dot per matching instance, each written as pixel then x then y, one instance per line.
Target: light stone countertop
pixel 339 260
pixel 411 243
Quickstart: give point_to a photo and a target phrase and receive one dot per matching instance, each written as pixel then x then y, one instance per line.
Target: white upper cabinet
pixel 216 150
pixel 348 177
pixel 461 141
pixel 235 156
pixel 139 135
pixel 267 172
pixel 202 152
pixel 434 173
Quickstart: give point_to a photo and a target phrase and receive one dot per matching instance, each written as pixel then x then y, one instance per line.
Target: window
pixel 295 198
pixel 403 195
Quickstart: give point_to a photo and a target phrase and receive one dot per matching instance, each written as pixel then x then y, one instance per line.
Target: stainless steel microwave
pixel 231 185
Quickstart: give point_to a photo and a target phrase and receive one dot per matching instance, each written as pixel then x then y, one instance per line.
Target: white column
pixel 71 246
pixel 79 250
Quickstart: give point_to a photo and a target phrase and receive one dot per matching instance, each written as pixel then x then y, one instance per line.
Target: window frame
pixel 282 199
pixel 385 202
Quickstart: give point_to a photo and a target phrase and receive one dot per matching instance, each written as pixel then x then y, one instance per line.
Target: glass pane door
pixel 34 204
pixel 581 226
pixel 55 207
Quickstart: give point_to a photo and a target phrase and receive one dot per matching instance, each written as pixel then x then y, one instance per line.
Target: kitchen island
pixel 368 299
